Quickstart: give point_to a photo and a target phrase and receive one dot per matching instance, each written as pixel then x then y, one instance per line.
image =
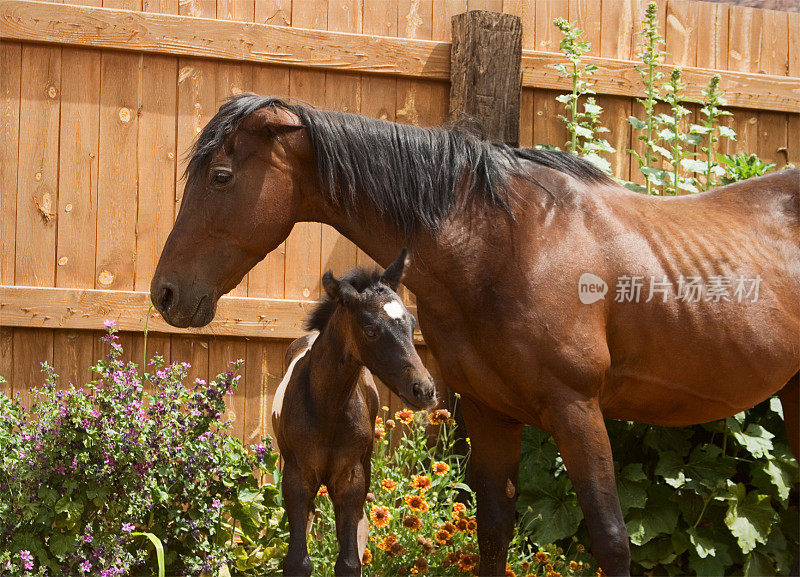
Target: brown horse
pixel 502 238
pixel 324 410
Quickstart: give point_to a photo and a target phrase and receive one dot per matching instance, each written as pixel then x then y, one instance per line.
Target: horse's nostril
pixel 167 297
pixel 421 392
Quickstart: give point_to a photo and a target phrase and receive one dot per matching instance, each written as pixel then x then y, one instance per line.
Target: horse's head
pixel 241 199
pixel 378 330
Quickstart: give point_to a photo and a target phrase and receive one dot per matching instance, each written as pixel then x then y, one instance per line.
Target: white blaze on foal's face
pixel 394 309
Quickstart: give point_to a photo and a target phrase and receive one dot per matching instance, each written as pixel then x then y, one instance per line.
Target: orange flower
pixel 366 558
pixel 459 508
pixel 548 567
pixel 449 527
pixel 380 433
pixel 553 574
pixel 525 566
pixel 420 566
pixel 438 417
pixel 395 549
pixel 509 572
pixel 440 468
pixel 388 484
pixel 442 536
pixel 412 522
pixel 387 542
pixel 542 557
pixel 322 491
pixel 416 502
pixel 573 565
pixel 420 482
pixel 462 525
pixel 378 422
pixel 466 563
pixel 580 548
pixel 380 516
pixel 472 525
pixel 405 416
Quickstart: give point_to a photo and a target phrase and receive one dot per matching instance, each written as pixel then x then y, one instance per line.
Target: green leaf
pixel 632 487
pixel 775 406
pixel 706 567
pixel 756 439
pixel 750 517
pixel 159 550
pixel 61 543
pixel 553 513
pixel 703 545
pixel 650 522
pixel 636 123
pixel 727 132
pixel 692 165
pixel 655 552
pixel 670 467
pixel 758 565
pixel 768 475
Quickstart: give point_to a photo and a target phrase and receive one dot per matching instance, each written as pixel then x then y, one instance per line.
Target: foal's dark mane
pixel 360 278
pixel 410 175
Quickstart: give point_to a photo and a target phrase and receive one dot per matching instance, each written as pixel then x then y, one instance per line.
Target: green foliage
pixel 707 500
pixel 583 125
pixel 711 131
pixel 742 166
pixel 87 472
pixel 414 457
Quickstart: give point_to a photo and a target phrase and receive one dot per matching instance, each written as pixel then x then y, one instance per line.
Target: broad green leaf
pixel 756 439
pixel 593 109
pixel 670 467
pixel 706 567
pixel 707 469
pixel 750 517
pixel 703 545
pixel 768 475
pixel 632 487
pixel 775 406
pixel 655 552
pixel 646 524
pixel 553 514
pixel 60 544
pixel 668 439
pixel 692 165
pixel 758 565
pixel 727 132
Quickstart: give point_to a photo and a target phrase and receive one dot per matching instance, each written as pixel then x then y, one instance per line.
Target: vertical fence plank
pixel 526 10
pixel 7 360
pixel 712 35
pixel 221 352
pixel 793 136
pixel 547 127
pixel 192 350
pixel 11 73
pixel 276 12
pixel 32 347
pixel 117 171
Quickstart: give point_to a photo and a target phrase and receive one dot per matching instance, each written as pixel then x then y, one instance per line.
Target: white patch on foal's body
pixel 277 402
pixel 394 309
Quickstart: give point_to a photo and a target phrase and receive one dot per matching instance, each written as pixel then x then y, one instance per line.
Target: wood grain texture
pixel 325 50
pixel 86 309
pixel 10 72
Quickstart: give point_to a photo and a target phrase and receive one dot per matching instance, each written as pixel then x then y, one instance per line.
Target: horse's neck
pixel 333 374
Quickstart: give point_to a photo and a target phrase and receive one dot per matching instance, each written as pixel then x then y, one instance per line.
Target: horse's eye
pixel 222 177
pixel 371 331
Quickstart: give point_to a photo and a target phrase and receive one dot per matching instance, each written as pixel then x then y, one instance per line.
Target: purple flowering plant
pixel 87 472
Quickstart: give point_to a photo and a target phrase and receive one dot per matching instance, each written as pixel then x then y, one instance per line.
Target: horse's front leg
pixel 348 493
pixel 494 463
pixel 298 499
pixel 580 433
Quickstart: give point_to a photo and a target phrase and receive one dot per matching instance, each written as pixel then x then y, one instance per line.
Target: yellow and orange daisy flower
pixel 542 557
pixel 466 563
pixel 472 525
pixel 440 468
pixel 322 491
pixel 387 542
pixel 420 482
pixel 420 566
pixel 366 558
pixel 574 565
pixel 442 536
pixel 388 485
pixel 459 507
pixel 438 417
pixel 412 522
pixel 378 422
pixel 449 527
pixel 380 515
pixel 380 433
pixel 462 525
pixel 417 502
pixel 509 571
pixel 405 416
pixel 525 566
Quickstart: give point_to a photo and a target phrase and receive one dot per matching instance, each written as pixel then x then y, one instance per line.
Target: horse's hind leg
pixel 298 498
pixel 790 402
pixel 348 493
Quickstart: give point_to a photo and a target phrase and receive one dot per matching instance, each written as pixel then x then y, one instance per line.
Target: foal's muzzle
pixel 182 308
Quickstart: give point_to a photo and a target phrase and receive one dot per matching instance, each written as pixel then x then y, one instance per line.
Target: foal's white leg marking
pixel 362 535
pixel 394 309
pixel 277 401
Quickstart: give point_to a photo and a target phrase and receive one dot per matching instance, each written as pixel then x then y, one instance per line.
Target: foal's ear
pixel 393 275
pixel 339 291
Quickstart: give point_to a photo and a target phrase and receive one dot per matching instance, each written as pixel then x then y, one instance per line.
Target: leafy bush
pixel 716 499
pixel 87 472
pixel 743 166
pixel 417 523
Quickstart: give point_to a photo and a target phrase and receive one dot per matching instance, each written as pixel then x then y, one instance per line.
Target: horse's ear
pixel 393 275
pixel 277 120
pixel 339 291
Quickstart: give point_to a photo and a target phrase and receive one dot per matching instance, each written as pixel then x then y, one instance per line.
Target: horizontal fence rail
pixel 87 309
pixel 66 25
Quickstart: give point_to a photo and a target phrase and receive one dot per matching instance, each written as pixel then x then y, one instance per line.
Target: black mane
pixel 360 278
pixel 410 175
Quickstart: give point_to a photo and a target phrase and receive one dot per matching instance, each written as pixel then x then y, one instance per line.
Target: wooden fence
pixel 100 102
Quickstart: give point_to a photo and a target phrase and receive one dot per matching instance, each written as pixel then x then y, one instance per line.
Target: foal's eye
pixel 371 331
pixel 222 177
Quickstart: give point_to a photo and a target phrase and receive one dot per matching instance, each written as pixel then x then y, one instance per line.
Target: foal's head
pixel 376 329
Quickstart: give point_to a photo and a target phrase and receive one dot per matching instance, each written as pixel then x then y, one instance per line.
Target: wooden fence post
pixel 485 77
pixel 485 86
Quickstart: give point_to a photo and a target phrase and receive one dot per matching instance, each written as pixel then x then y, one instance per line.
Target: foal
pixel 324 410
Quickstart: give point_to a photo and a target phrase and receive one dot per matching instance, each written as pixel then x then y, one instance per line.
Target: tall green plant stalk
pixel 713 101
pixel 675 137
pixel 651 56
pixel 583 125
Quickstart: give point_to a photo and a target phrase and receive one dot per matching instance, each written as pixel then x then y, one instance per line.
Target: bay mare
pixel 500 238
